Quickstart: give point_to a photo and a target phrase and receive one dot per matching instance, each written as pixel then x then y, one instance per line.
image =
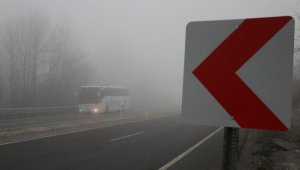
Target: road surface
pixel 148 144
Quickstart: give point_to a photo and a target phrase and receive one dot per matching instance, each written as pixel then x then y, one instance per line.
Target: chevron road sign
pixel 238 73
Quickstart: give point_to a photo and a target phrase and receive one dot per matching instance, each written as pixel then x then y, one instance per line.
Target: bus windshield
pixel 89 95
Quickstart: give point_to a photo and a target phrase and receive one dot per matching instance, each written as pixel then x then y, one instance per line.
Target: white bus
pixel 100 99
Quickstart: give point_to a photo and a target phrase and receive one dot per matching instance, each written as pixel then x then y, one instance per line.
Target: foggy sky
pixel 142 42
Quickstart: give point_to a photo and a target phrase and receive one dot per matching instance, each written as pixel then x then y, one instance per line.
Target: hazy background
pixel 139 44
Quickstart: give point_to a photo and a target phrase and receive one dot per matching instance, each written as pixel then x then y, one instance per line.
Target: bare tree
pixel 66 67
pixel 23 40
pixel 45 62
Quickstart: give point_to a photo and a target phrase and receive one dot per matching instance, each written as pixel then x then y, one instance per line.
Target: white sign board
pixel 238 73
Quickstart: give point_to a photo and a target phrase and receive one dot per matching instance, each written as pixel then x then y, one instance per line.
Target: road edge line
pixel 172 162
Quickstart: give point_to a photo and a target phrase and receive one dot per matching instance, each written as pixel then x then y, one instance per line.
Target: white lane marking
pixel 127 136
pixel 59 123
pixel 168 165
pixel 60 134
pixel 105 126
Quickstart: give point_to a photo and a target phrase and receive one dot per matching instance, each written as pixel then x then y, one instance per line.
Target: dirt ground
pixel 271 150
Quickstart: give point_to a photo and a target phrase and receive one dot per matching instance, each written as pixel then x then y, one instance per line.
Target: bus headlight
pixel 95 110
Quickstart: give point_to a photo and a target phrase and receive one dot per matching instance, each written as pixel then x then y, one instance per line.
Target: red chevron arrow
pixel 218 73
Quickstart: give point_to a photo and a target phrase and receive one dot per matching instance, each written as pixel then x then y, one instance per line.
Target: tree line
pixel 41 63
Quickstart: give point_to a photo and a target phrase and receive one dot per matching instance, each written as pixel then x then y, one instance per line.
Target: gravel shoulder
pixel 271 150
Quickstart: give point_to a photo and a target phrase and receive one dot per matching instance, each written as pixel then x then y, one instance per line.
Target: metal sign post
pixel 230 148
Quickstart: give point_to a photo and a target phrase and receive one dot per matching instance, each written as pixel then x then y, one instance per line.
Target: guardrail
pixel 20 113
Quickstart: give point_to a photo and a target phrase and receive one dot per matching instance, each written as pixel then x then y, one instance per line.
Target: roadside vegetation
pixel 42 63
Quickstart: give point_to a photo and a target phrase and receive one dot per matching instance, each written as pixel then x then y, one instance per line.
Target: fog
pixel 140 44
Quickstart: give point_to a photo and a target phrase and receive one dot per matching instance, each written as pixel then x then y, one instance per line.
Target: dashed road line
pixel 127 136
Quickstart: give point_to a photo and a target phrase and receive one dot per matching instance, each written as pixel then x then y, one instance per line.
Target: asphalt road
pixel 148 144
pixel 54 120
